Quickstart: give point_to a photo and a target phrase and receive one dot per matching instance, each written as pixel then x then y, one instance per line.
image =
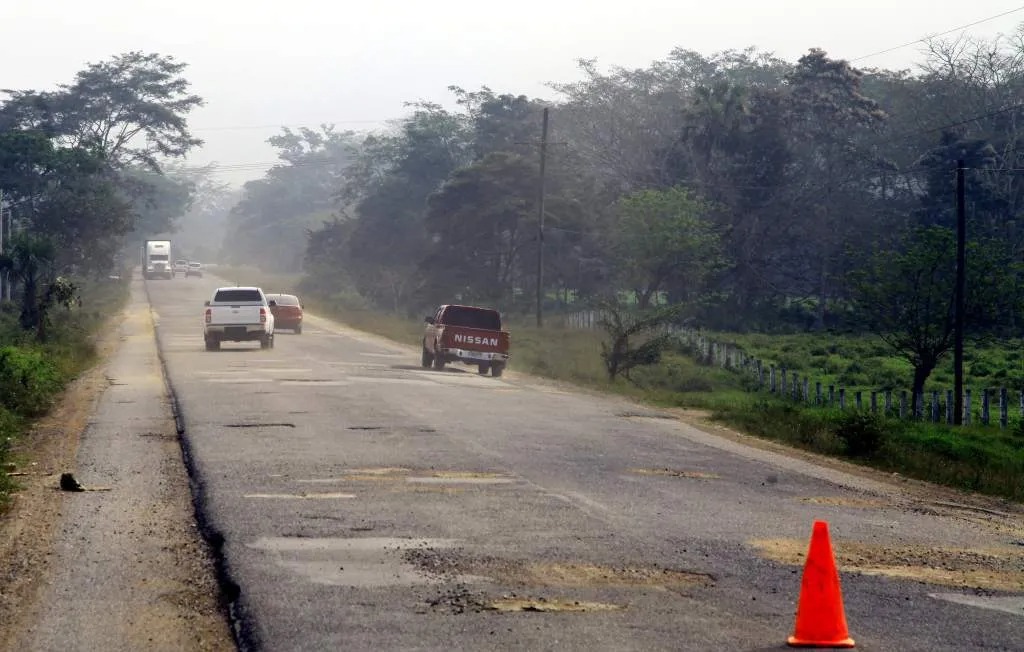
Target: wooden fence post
pixel 919 412
pixel 857 400
pixel 967 407
pixel 984 407
pixel 949 407
pixel 807 390
pixel 760 374
pixel 903 404
pixel 874 402
pixel 817 392
pixel 888 402
pixel 771 379
pixel 1004 409
pixel 796 385
pixel 842 398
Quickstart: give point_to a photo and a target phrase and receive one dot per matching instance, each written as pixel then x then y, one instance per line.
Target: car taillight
pixel 209 315
pixel 263 315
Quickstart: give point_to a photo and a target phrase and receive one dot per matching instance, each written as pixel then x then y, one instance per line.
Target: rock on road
pixel 361 502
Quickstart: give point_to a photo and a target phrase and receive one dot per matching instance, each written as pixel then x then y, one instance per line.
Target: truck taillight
pixel 209 315
pixel 263 315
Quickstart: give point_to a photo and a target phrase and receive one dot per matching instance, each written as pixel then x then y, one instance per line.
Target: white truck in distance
pixel 238 314
pixel 156 259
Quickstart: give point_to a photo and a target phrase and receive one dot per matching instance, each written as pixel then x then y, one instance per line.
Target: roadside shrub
pixel 28 380
pixel 862 433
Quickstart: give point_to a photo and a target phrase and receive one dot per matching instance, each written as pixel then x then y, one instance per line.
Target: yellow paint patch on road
pixel 999 569
pixel 512 605
pixel 426 489
pixel 379 470
pixel 841 501
pixel 463 475
pixel 677 473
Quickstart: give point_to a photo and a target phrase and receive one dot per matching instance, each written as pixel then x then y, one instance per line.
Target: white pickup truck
pixel 238 314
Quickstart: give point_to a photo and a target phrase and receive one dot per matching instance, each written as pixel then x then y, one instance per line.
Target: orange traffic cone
pixel 820 619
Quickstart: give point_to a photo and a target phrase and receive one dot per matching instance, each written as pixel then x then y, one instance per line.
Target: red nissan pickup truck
pixel 466 334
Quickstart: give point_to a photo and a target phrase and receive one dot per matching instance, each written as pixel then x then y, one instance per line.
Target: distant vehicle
pixel 156 259
pixel 238 314
pixel 194 269
pixel 466 334
pixel 180 267
pixel 287 312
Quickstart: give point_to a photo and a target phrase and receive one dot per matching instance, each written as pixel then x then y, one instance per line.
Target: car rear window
pixel 195 265
pixel 237 296
pixel 286 300
pixel 473 318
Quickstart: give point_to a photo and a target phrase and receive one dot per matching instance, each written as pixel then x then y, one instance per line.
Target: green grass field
pixel 977 458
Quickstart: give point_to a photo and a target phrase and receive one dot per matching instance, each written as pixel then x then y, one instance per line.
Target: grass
pixel 32 375
pixel 977 458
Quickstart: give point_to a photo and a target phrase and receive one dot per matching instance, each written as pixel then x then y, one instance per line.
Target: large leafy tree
pixel 661 236
pixel 270 219
pixel 132 108
pixel 905 294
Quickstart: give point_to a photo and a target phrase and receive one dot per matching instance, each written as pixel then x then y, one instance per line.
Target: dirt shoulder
pixel 123 567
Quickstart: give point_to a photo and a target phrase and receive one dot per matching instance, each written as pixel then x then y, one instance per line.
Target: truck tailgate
pixel 474 339
pixel 227 315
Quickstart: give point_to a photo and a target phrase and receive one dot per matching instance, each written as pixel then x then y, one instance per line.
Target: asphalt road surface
pixel 363 503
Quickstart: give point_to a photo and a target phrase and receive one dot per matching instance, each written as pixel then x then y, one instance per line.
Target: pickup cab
pixel 466 334
pixel 238 314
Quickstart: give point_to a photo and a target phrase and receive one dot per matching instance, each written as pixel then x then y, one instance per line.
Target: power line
pixel 292 126
pixel 931 36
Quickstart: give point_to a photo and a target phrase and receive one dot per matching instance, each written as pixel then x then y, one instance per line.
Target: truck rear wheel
pixel 438 361
pixel 425 358
pixel 212 345
pixel 497 368
pixel 265 342
pixel 482 368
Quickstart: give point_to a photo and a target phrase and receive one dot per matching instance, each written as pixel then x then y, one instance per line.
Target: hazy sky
pixel 261 64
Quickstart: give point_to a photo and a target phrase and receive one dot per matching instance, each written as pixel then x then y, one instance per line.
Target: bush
pixel 28 380
pixel 862 433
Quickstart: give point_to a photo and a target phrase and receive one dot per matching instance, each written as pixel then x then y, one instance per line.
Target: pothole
pixel 365 427
pixel 840 501
pixel 645 415
pixel 542 605
pixel 304 496
pixel 260 425
pixel 513 572
pixel 677 473
pixel 995 569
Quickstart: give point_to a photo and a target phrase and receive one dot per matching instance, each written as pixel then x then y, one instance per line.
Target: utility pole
pixel 540 222
pixel 3 277
pixel 961 284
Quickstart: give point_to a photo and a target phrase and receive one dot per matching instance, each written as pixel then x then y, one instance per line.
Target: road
pixel 360 502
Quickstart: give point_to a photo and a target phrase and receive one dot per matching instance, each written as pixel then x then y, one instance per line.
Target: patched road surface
pixel 364 503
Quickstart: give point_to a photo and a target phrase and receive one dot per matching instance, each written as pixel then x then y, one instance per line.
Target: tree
pixel 905 295
pixel 661 235
pixel 827 113
pixel 132 108
pixel 30 261
pixel 622 353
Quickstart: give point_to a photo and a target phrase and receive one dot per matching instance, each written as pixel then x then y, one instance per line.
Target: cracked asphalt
pixel 360 502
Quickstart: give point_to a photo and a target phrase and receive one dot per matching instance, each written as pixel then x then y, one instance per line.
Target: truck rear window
pixel 472 318
pixel 237 296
